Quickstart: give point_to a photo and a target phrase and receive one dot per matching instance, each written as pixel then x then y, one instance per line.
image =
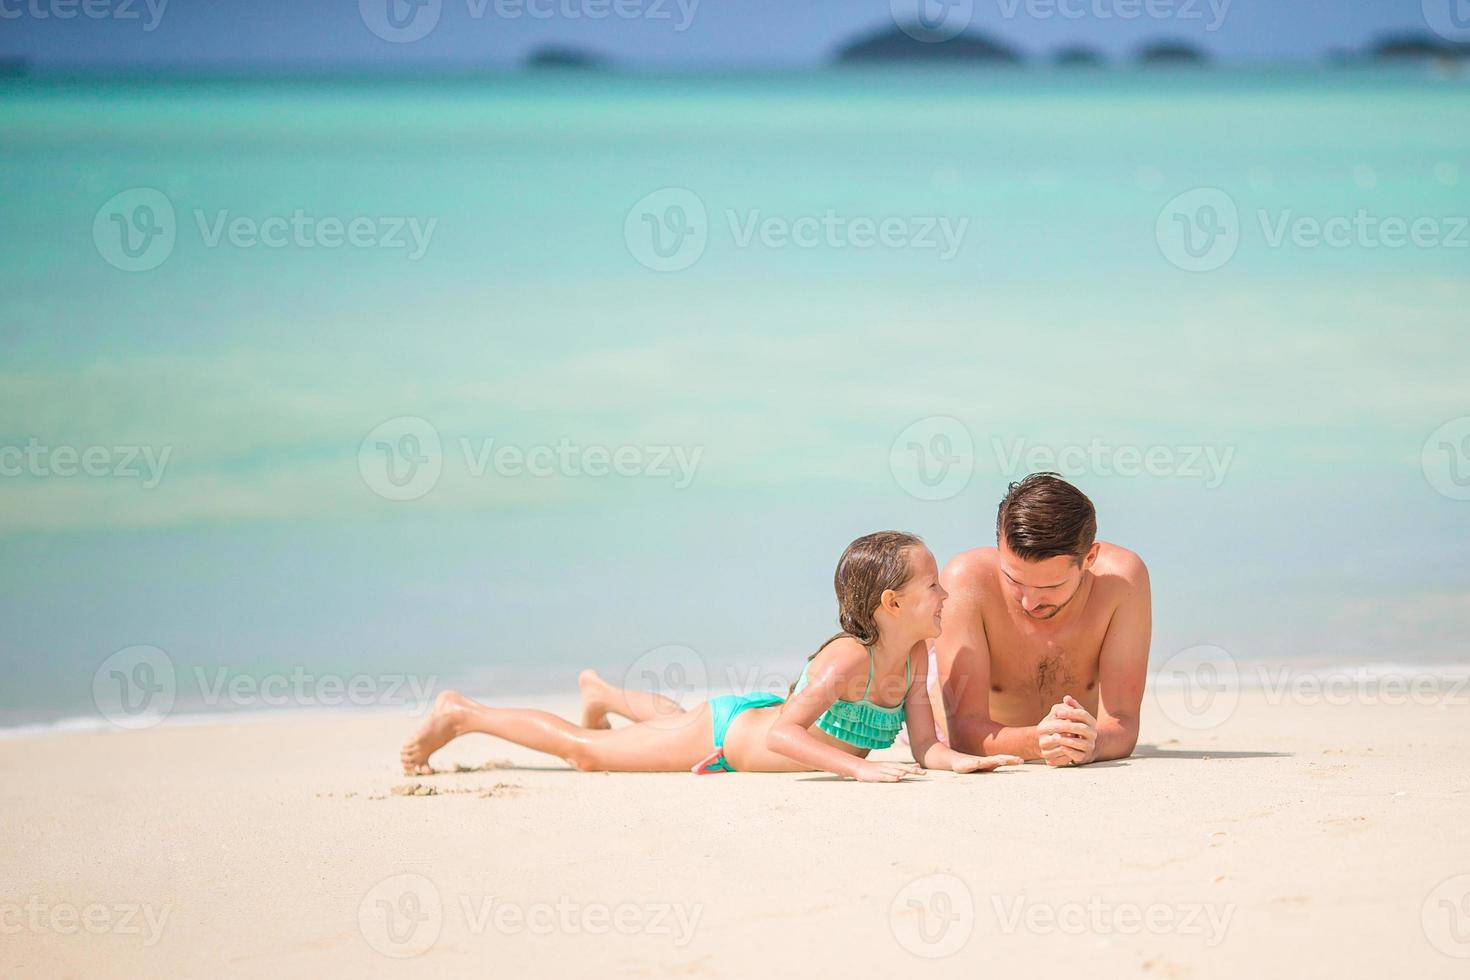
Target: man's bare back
pixel 1019 637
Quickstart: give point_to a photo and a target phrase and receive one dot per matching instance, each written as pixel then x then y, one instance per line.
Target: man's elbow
pixel 1122 743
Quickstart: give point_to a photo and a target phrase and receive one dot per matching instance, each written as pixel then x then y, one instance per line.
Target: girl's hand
pixel 885 772
pixel 984 763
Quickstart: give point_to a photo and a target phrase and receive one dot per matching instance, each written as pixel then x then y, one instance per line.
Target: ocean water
pixel 665 345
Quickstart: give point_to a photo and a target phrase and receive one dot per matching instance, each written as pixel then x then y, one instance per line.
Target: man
pixel 1044 639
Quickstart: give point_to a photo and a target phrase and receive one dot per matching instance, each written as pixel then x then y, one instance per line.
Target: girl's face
pixel 921 600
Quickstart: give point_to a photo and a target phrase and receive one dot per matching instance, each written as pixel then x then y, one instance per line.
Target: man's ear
pixel 1091 555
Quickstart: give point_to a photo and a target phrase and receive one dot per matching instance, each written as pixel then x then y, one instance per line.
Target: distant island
pixel 1417 47
pixel 898 45
pixel 1169 53
pixel 1077 56
pixel 14 66
pixel 559 58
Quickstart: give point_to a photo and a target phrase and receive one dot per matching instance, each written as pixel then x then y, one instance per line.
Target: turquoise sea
pixel 679 339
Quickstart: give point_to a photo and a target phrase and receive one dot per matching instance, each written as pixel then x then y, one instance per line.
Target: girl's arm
pixel 842 660
pixel 918 714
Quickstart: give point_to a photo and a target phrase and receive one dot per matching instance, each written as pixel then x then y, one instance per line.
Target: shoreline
pixel 1338 685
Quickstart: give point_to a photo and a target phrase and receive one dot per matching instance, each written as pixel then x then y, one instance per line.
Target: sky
pixel 660 34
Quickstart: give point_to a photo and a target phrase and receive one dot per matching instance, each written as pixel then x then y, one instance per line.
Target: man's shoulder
pixel 1116 560
pixel 970 567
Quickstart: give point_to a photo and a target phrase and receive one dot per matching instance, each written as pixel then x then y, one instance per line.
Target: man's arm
pixel 1123 665
pixel 964 669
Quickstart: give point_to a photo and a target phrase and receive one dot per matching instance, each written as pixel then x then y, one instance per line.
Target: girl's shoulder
pixel 841 655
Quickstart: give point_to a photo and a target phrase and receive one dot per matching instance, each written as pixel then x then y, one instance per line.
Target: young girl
pixel 853 695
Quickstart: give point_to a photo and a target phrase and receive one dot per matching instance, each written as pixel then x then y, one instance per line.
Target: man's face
pixel 1042 588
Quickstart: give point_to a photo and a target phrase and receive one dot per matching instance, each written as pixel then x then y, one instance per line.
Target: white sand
pixel 1301 841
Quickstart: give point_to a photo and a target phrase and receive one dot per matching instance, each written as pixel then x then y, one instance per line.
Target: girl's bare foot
pixel 594 699
pixel 439 728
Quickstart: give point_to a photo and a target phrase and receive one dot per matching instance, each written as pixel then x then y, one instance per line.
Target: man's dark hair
pixel 1044 516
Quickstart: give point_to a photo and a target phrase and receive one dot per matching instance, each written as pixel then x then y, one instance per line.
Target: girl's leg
pixel 600 699
pixel 643 747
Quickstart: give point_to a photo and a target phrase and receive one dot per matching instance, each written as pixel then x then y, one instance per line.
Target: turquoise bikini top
pixel 862 723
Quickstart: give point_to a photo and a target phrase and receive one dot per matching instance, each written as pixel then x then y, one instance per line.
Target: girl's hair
pixel 870 566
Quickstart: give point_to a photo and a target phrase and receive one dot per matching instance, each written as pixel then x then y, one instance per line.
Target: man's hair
pixel 1044 516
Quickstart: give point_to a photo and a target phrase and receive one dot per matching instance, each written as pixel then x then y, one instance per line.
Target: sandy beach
pixel 1292 840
